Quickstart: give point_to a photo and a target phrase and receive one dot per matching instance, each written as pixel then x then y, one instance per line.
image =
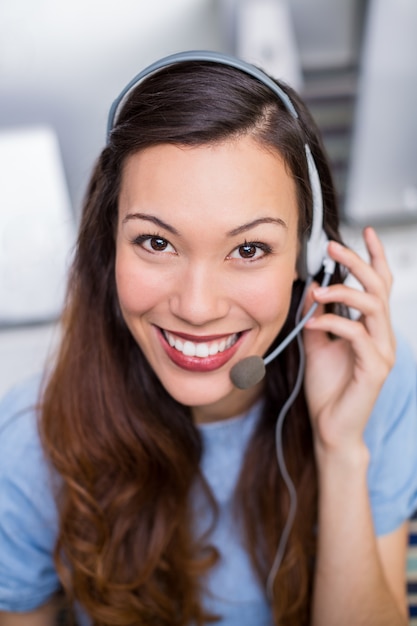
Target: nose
pixel 199 296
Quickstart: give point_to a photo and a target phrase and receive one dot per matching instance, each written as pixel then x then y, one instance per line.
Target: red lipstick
pixel 195 363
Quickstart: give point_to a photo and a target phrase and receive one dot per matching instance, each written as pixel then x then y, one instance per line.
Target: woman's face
pixel 205 262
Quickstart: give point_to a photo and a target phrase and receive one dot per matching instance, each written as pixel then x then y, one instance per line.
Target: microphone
pixel 248 372
pixel 251 370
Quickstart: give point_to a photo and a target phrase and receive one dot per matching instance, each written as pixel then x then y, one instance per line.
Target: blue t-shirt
pixel 28 516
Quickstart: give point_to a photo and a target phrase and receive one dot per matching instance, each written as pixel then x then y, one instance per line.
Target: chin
pixel 200 390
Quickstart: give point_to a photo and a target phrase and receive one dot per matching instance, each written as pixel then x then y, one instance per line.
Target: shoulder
pixel 391 436
pixel 20 447
pixel 28 518
pixel 18 414
pixel 403 376
pixel 398 396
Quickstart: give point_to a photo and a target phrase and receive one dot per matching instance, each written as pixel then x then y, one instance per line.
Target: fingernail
pixel 320 291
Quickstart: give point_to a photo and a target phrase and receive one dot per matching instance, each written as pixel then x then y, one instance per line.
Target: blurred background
pixel 63 63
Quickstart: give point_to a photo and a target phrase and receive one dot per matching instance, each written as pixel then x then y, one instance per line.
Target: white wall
pixel 64 63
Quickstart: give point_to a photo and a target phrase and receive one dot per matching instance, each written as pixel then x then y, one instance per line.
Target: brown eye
pixel 153 244
pixel 251 251
pixel 247 251
pixel 158 244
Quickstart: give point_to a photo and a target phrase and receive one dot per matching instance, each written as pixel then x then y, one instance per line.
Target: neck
pixel 237 403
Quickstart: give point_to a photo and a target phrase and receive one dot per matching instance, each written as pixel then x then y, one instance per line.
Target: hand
pixel 344 375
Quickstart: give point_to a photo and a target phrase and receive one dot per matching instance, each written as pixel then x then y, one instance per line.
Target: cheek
pixel 267 298
pixel 138 290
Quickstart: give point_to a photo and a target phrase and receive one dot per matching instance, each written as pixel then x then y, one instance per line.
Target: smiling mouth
pixel 200 349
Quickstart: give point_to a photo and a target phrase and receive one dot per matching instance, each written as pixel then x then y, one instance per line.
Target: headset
pixel 313 258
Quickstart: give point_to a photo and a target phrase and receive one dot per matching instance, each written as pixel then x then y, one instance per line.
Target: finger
pixel 375 314
pixel 374 310
pixel 367 304
pixel 365 273
pixel 313 340
pixel 309 297
pixel 380 355
pixel 377 256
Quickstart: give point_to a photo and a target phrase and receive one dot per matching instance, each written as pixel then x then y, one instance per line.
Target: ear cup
pixel 316 247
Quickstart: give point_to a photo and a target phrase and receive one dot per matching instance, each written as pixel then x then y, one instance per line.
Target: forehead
pixel 232 180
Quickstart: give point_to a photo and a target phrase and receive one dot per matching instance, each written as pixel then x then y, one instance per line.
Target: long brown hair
pixel 128 454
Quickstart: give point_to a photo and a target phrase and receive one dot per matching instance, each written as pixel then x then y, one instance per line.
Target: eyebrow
pixel 151 218
pixel 231 233
pixel 262 220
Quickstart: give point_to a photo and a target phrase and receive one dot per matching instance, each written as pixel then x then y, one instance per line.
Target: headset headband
pixel 316 247
pixel 198 55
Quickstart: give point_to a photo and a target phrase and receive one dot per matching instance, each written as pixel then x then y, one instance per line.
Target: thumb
pixel 313 338
pixel 309 297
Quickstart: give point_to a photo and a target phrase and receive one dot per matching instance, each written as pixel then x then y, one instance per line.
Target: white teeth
pixel 200 349
pixel 213 348
pixel 189 348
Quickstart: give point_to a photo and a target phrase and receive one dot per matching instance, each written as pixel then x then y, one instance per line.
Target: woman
pixel 159 492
